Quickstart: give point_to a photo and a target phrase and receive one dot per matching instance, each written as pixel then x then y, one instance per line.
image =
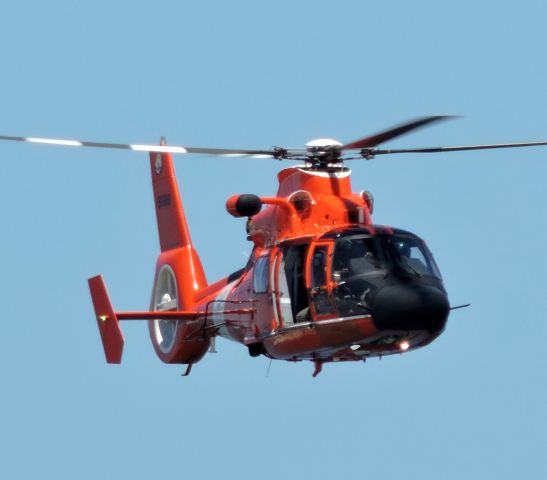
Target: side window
pixel 319 274
pixel 261 275
pixel 432 264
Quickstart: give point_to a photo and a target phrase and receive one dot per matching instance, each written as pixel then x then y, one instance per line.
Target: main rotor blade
pixel 373 151
pixel 394 132
pixel 144 148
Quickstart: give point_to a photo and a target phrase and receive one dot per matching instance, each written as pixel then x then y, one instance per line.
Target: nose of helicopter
pixel 405 307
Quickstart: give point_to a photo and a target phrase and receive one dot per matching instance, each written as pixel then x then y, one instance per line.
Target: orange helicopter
pixel 323 282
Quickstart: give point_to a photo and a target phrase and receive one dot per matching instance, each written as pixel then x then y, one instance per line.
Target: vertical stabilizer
pixel 179 274
pixel 175 242
pixel 172 226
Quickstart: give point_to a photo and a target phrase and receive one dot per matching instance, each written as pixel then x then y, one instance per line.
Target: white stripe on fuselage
pixel 219 306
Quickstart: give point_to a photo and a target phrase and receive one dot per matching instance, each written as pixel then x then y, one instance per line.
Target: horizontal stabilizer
pixel 109 321
pixel 109 327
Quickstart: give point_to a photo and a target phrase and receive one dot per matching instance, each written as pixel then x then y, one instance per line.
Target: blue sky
pixel 254 74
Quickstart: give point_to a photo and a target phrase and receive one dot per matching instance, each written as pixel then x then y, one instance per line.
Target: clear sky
pixel 256 74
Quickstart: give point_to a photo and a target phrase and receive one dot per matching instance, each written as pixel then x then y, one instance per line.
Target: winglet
pixel 109 327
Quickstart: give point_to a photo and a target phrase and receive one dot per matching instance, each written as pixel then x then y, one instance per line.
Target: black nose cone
pixel 410 307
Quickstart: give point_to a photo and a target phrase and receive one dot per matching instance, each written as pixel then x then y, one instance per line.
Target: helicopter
pixel 323 283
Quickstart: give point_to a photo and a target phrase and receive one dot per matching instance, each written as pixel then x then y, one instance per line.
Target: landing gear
pixel 318 368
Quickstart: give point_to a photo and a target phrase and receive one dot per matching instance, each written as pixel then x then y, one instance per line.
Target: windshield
pixel 362 255
pixel 413 253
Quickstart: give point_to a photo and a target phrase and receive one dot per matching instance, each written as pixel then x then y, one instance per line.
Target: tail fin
pixel 172 226
pixel 176 244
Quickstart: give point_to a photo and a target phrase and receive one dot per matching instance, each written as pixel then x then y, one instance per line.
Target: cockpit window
pixel 375 255
pixel 414 254
pixel 357 255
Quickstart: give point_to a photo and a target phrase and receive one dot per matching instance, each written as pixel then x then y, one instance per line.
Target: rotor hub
pixel 324 152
